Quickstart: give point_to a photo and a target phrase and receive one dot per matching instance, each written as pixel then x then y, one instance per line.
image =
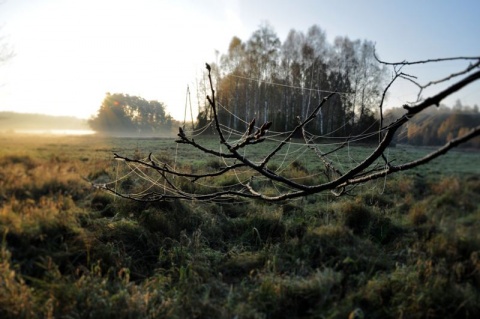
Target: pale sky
pixel 69 53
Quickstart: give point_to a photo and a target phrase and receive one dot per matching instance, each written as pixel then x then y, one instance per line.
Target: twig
pixel 341 184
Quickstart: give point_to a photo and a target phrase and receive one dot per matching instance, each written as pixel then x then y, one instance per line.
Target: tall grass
pixel 407 247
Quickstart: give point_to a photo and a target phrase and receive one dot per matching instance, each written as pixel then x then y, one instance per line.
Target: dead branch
pixel 404 62
pixel 422 87
pixel 338 181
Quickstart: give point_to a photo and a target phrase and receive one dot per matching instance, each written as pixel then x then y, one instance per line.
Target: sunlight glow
pixel 69 54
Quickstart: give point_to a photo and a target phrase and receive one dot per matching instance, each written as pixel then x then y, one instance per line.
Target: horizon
pixel 63 66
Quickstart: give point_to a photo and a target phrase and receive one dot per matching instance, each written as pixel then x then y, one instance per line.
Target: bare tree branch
pixel 421 87
pixel 425 61
pixel 296 130
pixel 441 151
pixel 257 173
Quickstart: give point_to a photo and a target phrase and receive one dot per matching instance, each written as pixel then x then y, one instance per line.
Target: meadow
pixel 407 246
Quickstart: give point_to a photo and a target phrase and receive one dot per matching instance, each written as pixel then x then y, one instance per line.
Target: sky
pixel 69 54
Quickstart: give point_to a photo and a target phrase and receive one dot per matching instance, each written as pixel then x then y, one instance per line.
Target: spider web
pixel 313 160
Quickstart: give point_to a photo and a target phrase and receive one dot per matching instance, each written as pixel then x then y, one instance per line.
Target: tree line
pixel 438 126
pixel 266 79
pixel 123 114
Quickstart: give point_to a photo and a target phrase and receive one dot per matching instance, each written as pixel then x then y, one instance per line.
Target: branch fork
pixel 338 181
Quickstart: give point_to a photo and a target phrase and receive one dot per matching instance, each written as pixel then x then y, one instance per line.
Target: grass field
pixel 403 247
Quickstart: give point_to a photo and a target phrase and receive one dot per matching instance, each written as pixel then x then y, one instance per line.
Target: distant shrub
pixel 297 165
pixel 214 164
pixel 355 216
pixel 418 214
pixel 26 160
pixel 447 184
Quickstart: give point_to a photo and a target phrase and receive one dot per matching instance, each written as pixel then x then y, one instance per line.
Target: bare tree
pixel 335 179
